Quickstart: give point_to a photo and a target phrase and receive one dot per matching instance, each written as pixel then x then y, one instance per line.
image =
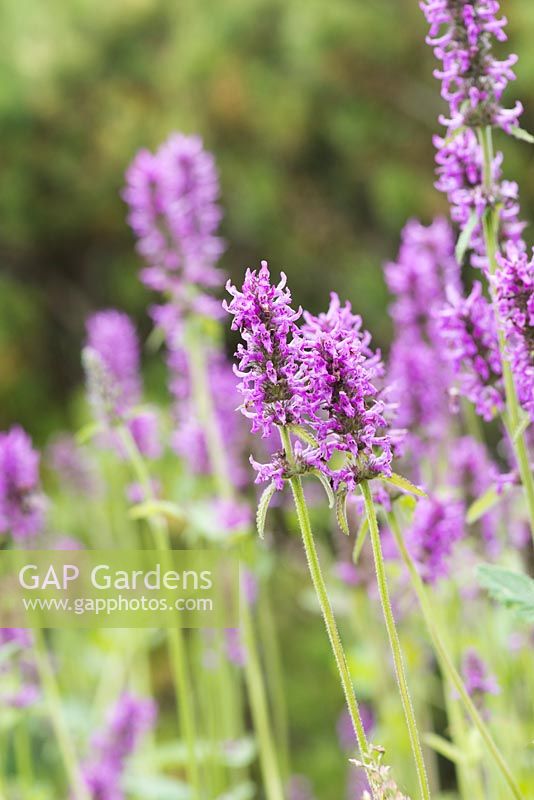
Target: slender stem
pixel 490 226
pixel 53 699
pixel 175 637
pixel 394 642
pixel 260 712
pixel 445 660
pixel 324 602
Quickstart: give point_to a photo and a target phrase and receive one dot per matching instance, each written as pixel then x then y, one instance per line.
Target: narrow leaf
pixel 152 508
pixel 403 483
pixel 361 536
pixel 512 589
pixel 482 505
pixel 327 487
pixel 305 435
pixel 464 239
pixel 263 507
pixel 446 749
pixel 521 133
pixel 521 428
pixel 88 432
pixel 341 512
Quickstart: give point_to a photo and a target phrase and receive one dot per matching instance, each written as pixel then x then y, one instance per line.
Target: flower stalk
pixel 445 660
pixel 394 642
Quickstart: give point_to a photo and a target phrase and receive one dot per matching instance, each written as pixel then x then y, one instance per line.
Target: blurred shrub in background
pixel 320 116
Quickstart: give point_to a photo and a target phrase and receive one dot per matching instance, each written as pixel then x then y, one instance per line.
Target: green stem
pixel 260 712
pixel 176 643
pixel 53 700
pixel 445 661
pixel 490 224
pixel 395 643
pixel 324 602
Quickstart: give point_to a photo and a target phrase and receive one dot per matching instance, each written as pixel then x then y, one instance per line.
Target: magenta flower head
pixel 348 410
pixel 469 332
pixel 473 80
pixel 272 384
pixel 478 681
pixel 172 196
pixel 437 526
pixel 128 721
pixel 22 503
pixel 111 358
pixel 514 283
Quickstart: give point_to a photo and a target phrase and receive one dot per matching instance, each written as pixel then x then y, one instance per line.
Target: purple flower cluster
pixel 460 177
pixel 112 363
pixel 348 411
pixel 514 284
pixel 472 472
pixel 22 503
pixel 469 331
pixel 172 196
pixel 128 721
pixel 477 680
pixel 436 527
pixel 418 372
pixel 272 384
pixel 322 375
pixel 473 80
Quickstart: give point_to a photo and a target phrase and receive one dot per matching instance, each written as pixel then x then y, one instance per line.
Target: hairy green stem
pixel 181 672
pixel 445 661
pixel 324 601
pixel 53 700
pixel 490 225
pixel 394 642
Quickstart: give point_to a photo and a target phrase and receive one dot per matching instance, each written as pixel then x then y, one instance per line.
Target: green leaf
pixel 515 590
pixel 156 787
pixel 482 505
pixel 89 432
pixel 464 239
pixel 326 485
pixel 520 133
pixel 305 435
pixel 361 536
pixel 341 512
pixel 263 507
pixel 153 508
pixel 447 749
pixel 403 483
pixel 521 428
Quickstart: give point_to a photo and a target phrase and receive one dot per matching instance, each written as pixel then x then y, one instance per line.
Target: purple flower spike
pixel 128 721
pixel 348 410
pixel 271 383
pixel 514 283
pixel 112 357
pixel 172 196
pixel 437 525
pixel 22 503
pixel 478 681
pixel 473 80
pixel 469 332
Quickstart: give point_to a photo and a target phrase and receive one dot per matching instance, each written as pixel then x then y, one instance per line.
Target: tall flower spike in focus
pixel 272 384
pixel 514 284
pixel 472 79
pixel 22 503
pixel 349 412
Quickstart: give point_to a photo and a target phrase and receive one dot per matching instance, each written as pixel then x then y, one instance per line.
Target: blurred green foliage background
pixel 320 115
